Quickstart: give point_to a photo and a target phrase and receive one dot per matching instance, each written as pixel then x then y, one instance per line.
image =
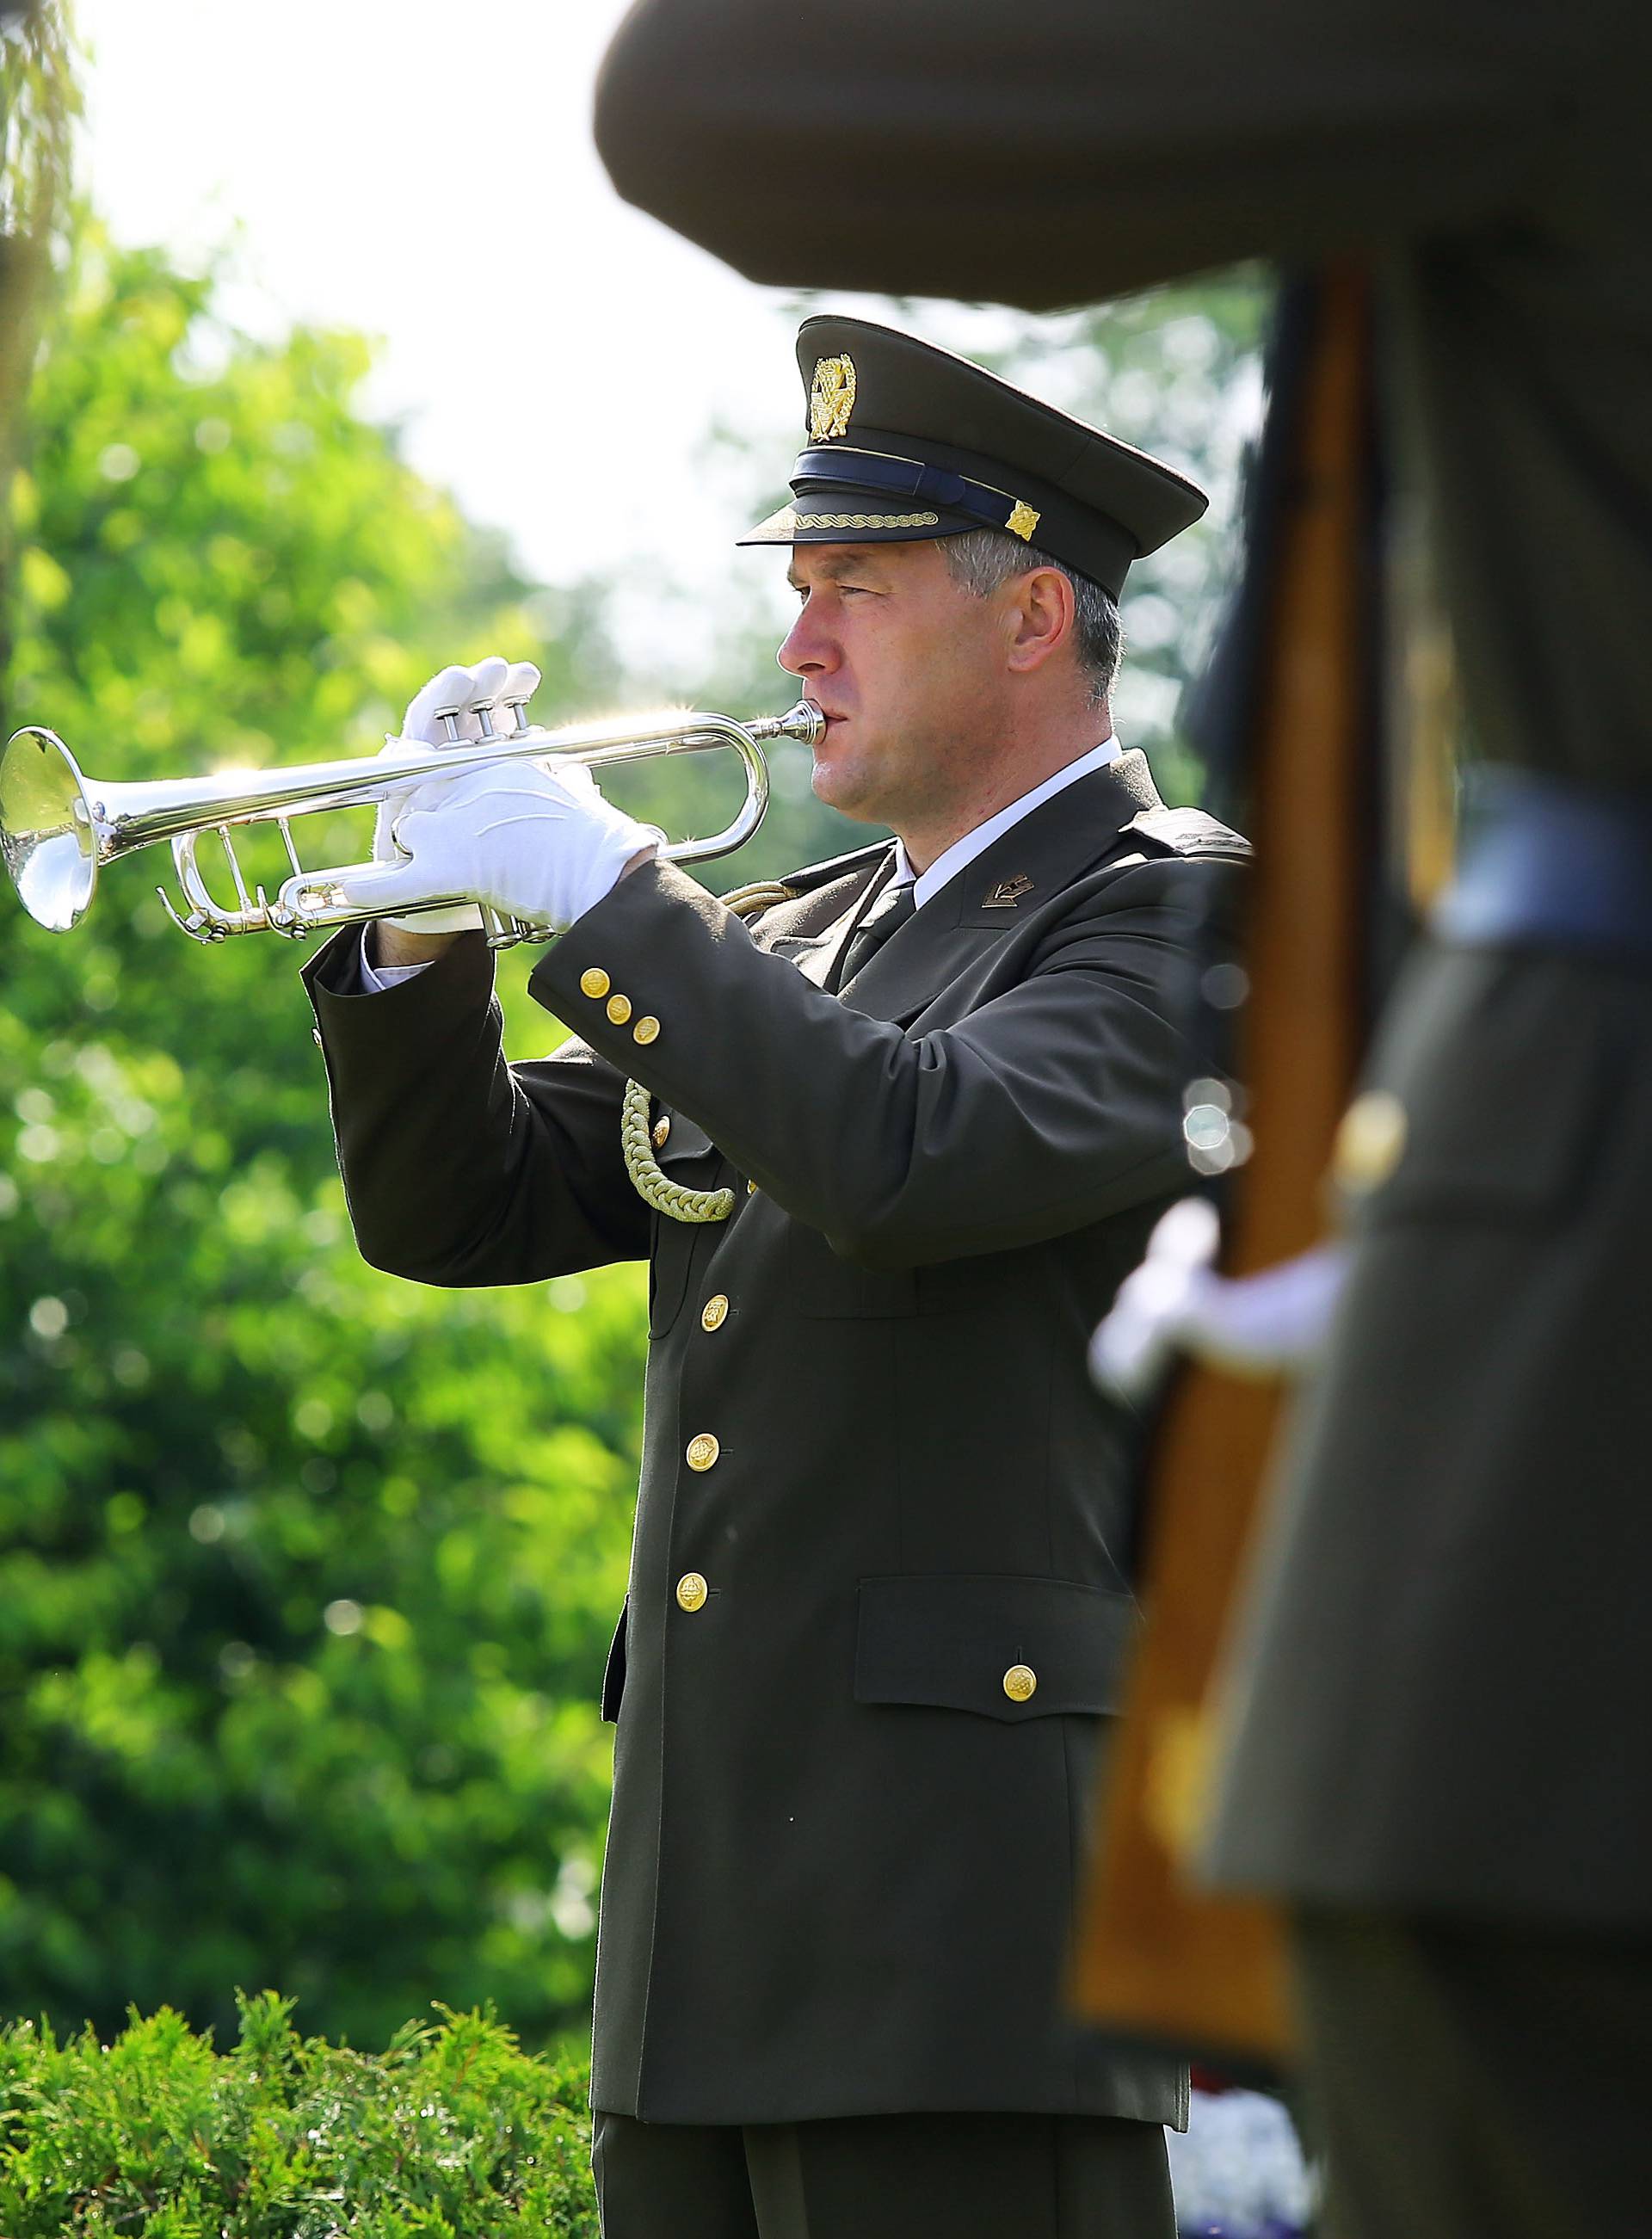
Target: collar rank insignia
pixel 1008 892
pixel 831 397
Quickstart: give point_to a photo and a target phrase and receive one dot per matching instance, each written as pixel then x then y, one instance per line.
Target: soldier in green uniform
pixel 1442 1760
pixel 921 1105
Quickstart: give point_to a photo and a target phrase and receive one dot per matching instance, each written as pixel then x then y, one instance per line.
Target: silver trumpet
pixel 58 827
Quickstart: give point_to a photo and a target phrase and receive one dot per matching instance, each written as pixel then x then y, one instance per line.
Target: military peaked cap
pixel 907 441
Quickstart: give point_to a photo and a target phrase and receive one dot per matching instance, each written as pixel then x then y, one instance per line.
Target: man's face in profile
pixel 906 665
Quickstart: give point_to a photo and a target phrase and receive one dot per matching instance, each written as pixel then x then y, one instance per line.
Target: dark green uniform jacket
pixel 1451 1692
pixel 842 1855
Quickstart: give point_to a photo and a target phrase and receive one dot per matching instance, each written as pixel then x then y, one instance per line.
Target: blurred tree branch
pixel 39 100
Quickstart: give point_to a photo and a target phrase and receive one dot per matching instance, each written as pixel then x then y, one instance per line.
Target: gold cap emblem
pixel 1024 519
pixel 831 397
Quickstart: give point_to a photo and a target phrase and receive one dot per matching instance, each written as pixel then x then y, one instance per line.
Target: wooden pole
pixel 1157 1956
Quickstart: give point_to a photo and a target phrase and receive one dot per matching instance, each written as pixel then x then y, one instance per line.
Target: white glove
pixel 1273 1323
pixel 491 683
pixel 533 843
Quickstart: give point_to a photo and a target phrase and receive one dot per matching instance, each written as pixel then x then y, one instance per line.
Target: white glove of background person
pixel 535 843
pixel 490 682
pixel 1273 1323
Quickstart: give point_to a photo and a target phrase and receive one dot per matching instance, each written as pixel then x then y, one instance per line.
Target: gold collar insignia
pixel 1008 892
pixel 831 397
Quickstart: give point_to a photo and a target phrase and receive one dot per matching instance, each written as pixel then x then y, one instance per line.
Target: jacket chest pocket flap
pixel 951 1642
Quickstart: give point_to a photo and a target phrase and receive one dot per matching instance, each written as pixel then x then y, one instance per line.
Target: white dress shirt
pixel 376 978
pixel 947 865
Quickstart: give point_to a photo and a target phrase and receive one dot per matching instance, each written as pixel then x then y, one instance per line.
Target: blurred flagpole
pixel 1291 727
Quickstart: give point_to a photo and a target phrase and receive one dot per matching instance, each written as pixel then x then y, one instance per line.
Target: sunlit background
pixel 615 400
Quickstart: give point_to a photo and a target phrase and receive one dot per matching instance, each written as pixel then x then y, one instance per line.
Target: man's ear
pixel 1040 616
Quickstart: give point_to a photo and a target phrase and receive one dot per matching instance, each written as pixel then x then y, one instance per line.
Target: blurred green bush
pixel 451 2133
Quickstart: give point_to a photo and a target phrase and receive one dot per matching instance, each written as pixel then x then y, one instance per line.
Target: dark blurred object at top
pixel 956 148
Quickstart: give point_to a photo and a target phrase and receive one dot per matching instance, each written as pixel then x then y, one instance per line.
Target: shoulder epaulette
pixel 768 894
pixel 1187 832
pixel 836 866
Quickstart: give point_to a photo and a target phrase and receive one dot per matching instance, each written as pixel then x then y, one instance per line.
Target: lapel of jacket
pixel 822 920
pixel 1023 870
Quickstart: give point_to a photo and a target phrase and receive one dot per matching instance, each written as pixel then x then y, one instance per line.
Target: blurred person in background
pixel 903 1123
pixel 1442 1763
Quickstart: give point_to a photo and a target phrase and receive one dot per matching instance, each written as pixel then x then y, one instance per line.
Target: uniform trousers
pixel 1476 2082
pixel 885 2177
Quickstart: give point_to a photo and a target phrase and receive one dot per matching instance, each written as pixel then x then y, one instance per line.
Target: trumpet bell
pixel 48 835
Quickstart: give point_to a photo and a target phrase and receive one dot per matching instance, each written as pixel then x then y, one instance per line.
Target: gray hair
pixel 982 559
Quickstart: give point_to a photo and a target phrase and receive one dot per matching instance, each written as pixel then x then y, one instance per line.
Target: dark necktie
pixel 886 916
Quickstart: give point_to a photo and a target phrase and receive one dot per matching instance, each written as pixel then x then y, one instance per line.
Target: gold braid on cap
pixel 651 1184
pixel 866 520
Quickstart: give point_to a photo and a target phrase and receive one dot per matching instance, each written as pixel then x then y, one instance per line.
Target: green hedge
pixel 451 2133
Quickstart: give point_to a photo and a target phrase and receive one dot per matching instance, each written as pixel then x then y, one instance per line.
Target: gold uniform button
pixel 692 1591
pixel 1020 1683
pixel 751 1189
pixel 1370 1141
pixel 703 1450
pixel 595 983
pixel 714 1313
pixel 646 1030
pixel 619 1008
pixel 662 1131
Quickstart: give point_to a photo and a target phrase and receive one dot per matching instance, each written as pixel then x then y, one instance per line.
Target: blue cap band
pixel 843 467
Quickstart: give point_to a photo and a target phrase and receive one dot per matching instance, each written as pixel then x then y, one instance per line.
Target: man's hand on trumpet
pixel 446 712
pixel 531 841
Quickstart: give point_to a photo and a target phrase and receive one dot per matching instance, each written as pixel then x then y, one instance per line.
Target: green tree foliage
pixel 306 1574
pixel 451 2133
